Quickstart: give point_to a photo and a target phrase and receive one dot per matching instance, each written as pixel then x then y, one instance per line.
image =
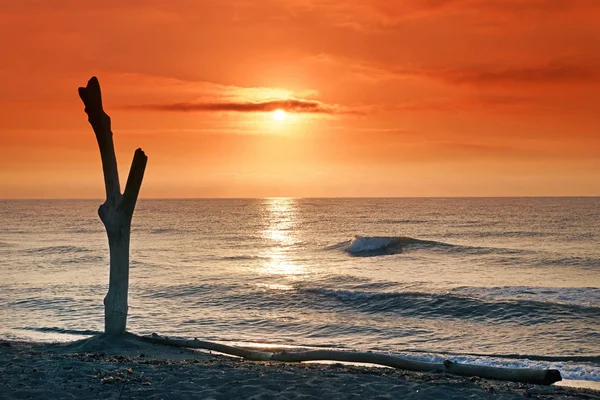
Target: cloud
pixel 475 103
pixel 552 73
pixel 381 15
pixel 147 92
pixel 572 71
pixel 290 105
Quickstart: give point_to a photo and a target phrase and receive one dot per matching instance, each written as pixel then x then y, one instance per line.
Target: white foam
pixel 569 370
pixel 362 244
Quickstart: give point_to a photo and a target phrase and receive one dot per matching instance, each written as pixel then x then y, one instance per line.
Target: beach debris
pixel 125 375
pixel 527 375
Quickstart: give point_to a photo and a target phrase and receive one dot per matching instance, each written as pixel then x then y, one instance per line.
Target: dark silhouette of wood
pixel 528 375
pixel 117 210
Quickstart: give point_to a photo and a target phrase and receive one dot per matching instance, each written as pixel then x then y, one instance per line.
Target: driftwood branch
pixel 116 212
pixel 538 376
pixel 134 181
pixel 100 122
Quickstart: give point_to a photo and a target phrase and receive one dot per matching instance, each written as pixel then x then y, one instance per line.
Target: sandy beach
pixel 101 368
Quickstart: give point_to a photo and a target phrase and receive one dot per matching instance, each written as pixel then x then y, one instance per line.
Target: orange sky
pixel 384 98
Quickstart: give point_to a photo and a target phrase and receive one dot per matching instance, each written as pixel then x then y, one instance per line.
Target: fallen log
pixel 201 344
pixel 526 375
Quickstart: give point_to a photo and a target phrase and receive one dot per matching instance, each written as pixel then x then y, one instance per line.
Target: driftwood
pixel 117 210
pixel 527 375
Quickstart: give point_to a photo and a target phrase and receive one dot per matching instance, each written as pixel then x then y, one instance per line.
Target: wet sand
pixel 128 368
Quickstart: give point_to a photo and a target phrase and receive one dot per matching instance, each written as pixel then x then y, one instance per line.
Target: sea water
pixel 493 281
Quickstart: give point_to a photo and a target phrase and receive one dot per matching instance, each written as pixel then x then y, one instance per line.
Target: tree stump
pixel 116 212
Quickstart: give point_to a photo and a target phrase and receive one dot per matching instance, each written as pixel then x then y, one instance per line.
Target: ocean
pixel 494 281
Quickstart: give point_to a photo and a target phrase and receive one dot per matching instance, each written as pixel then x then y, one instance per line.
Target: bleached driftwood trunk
pixel 117 210
pixel 528 375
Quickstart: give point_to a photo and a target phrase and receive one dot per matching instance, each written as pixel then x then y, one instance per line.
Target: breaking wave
pixel 384 245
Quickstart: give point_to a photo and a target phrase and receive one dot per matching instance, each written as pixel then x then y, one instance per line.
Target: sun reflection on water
pixel 280 219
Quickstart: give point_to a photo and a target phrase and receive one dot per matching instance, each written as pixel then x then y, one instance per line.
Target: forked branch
pixel 117 210
pixel 134 181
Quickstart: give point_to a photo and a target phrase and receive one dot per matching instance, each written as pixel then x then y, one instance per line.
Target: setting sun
pixel 279 115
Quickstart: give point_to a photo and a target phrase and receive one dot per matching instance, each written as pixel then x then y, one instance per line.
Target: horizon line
pixel 308 197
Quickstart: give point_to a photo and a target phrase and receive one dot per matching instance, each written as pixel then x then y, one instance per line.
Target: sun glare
pixel 279 115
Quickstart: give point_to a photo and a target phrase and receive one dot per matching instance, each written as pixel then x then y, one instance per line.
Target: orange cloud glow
pixel 383 98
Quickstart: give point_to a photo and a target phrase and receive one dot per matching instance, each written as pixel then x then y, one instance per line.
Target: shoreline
pixel 100 367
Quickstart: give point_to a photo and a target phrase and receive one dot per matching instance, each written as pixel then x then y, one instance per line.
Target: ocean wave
pixel 193 291
pixel 82 259
pixel 369 246
pixel 511 234
pixel 366 246
pixel 43 303
pixel 241 258
pixel 65 254
pixel 162 230
pixel 57 250
pixel 87 230
pixel 85 332
pixel 588 297
pixel 452 306
pixel 592 263
pixel 515 306
pixel 403 221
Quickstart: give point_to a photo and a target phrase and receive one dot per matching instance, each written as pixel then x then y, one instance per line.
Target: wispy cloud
pixel 479 103
pixel 552 73
pixel 166 94
pixel 577 70
pixel 381 15
pixel 290 105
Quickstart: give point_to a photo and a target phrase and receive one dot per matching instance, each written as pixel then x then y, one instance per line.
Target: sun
pixel 279 115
